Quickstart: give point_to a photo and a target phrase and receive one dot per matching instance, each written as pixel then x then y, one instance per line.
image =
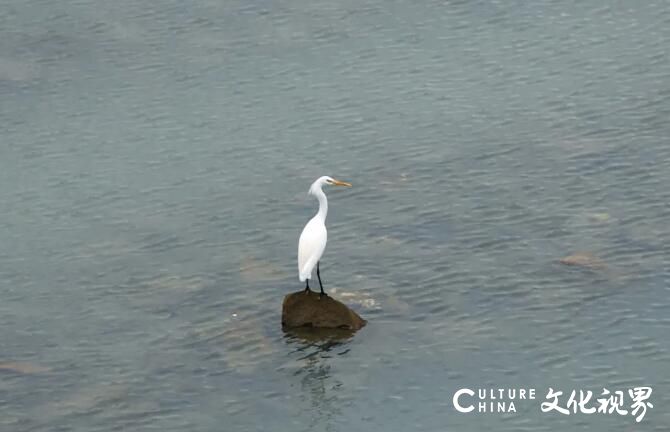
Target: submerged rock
pixel 583 259
pixel 23 368
pixel 256 270
pixel 356 298
pixel 600 218
pixel 308 309
pixel 244 346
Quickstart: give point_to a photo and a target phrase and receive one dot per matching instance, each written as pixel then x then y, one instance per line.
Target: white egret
pixel 314 236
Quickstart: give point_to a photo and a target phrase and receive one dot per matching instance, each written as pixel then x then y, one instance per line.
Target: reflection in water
pixel 319 387
pixel 322 338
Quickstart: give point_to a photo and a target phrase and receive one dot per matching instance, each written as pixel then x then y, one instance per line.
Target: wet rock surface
pixel 308 309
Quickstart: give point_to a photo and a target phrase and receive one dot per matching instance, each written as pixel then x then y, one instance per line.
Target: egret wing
pixel 311 245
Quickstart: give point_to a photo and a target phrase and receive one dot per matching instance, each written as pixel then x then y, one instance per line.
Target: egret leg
pixel 307 287
pixel 318 275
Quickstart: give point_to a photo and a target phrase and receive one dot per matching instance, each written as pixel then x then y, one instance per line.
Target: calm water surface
pixel 154 164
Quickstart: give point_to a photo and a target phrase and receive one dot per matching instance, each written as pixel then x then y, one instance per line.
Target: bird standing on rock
pixel 314 236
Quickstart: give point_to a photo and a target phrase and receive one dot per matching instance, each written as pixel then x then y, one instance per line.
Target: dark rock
pixel 308 309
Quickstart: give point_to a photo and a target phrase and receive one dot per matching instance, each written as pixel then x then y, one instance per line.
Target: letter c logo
pixel 457 405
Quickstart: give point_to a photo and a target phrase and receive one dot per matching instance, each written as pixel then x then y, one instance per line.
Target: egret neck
pixel 323 203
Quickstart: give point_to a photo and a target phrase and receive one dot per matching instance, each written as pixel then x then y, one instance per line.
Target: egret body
pixel 314 236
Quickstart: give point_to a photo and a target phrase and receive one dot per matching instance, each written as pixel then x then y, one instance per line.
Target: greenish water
pixel 154 165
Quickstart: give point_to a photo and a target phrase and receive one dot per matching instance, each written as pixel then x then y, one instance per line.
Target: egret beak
pixel 341 183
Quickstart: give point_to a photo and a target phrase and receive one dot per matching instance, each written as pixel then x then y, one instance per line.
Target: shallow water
pixel 153 175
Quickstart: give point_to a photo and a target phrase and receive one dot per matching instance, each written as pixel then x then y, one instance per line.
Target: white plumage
pixel 311 246
pixel 314 236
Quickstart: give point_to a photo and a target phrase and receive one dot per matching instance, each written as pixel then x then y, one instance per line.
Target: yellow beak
pixel 341 183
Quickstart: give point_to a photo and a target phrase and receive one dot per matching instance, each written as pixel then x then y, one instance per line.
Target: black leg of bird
pixel 318 275
pixel 307 287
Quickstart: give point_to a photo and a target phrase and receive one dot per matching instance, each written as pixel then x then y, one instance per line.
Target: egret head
pixel 325 180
